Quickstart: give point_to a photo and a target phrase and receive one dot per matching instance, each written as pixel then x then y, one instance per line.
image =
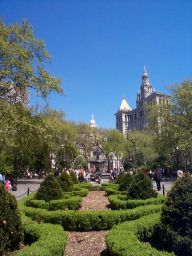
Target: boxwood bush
pixel 78 192
pixel 110 189
pixel 49 190
pixel 10 222
pixel 45 239
pixel 176 217
pixel 124 180
pixel 89 220
pixel 124 239
pixel 118 202
pixel 72 203
pixel 141 187
pixel 48 240
pixel 111 185
pixel 37 203
pixel 65 182
pixel 86 185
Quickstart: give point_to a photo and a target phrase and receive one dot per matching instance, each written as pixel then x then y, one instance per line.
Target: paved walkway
pixel 33 185
pixel 23 185
pixel 167 186
pixel 89 243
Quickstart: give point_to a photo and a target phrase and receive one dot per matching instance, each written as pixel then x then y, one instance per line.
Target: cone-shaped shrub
pixel 141 187
pixel 49 189
pixel 74 177
pixel 176 217
pixel 124 180
pixel 65 182
pixel 10 222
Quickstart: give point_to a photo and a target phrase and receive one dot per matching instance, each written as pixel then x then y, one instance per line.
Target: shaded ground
pixel 89 243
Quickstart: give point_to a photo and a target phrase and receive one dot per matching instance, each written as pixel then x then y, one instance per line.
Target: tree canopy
pixel 22 59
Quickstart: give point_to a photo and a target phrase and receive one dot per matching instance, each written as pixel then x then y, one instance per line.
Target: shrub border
pixel 123 239
pixel 72 203
pixel 116 203
pixel 89 220
pixel 51 239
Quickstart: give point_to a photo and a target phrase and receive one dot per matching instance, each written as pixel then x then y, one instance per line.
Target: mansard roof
pixel 124 105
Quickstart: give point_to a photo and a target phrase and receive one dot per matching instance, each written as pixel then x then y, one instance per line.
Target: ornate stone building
pixel 128 119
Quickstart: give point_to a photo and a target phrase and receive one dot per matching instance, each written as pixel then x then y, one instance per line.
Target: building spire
pixel 146 88
pixel 145 77
pixel 144 70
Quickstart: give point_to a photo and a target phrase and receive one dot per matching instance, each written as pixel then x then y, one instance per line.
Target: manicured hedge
pixel 89 220
pixel 10 222
pixel 117 203
pixel 72 203
pixel 83 185
pixel 37 204
pixel 49 240
pixel 112 185
pixel 49 189
pixel 110 189
pixel 124 239
pixel 78 192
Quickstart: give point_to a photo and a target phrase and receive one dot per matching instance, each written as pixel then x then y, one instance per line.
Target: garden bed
pixel 127 238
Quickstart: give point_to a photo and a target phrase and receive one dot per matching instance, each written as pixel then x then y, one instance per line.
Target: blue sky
pixel 99 48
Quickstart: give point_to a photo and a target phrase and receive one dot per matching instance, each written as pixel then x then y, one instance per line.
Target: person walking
pixel 158 177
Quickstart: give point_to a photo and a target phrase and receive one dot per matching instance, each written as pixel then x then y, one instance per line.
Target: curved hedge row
pixel 77 192
pixel 72 203
pixel 124 239
pixel 89 220
pixel 116 203
pixel 50 240
pixel 83 185
pixel 110 189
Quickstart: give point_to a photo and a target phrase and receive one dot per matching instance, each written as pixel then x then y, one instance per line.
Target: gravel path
pixel 95 200
pixel 89 243
pixel 86 243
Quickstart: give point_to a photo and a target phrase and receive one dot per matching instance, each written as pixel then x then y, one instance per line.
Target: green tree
pixel 140 149
pixel 86 139
pixel 22 131
pixel 22 62
pixel 174 129
pixel 112 141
